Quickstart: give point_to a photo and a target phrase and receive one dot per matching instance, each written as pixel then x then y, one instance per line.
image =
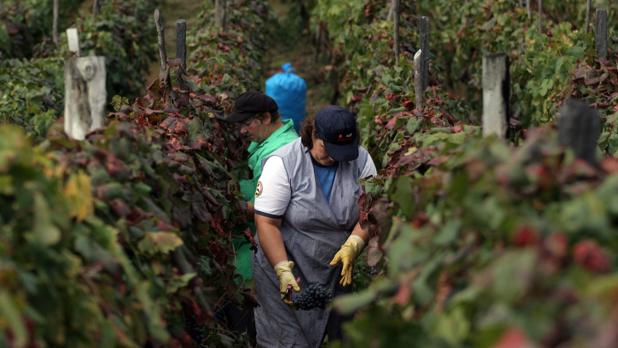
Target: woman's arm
pixel 271 243
pixel 361 232
pixel 270 237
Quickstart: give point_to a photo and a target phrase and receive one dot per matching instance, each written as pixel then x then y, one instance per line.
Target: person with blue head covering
pixel 290 92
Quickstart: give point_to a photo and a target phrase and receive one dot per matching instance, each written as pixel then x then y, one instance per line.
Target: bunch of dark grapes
pixel 313 296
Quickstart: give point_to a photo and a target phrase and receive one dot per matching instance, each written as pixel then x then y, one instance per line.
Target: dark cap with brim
pixel 336 126
pixel 342 153
pixel 250 104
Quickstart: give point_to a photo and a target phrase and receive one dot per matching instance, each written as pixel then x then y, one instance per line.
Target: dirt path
pixel 293 44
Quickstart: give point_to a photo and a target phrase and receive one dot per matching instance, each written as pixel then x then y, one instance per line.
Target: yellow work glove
pixel 346 255
pixel 286 279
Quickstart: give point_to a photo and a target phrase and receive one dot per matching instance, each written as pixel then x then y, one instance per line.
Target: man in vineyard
pixel 258 119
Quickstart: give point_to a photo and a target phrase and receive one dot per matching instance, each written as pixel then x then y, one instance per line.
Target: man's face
pixel 319 154
pixel 252 128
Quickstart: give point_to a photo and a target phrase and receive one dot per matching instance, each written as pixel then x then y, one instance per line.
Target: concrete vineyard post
pixel 73 39
pixel 601 34
pixel 55 15
pixel 423 24
pixel 84 91
pixel 418 79
pixel 181 43
pixel 496 93
pixel 396 29
pixel 579 128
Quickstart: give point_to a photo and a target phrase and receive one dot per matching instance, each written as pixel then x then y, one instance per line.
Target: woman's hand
pixel 348 252
pixel 346 255
pixel 286 279
pixel 271 242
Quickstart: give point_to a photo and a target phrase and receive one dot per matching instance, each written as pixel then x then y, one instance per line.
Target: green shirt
pixel 258 151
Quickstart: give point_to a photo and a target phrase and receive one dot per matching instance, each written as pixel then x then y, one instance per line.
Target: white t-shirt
pixel 273 192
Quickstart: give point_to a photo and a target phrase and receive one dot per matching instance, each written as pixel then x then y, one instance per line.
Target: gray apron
pixel 313 229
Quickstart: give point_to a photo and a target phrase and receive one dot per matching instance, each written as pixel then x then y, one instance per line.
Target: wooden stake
pixel 55 11
pixel 181 43
pixel 418 79
pixel 226 4
pixel 396 29
pixel 218 14
pixel 318 41
pixel 96 7
pixel 588 14
pixel 496 91
pixel 221 13
pixel 161 41
pixel 601 34
pixel 423 24
pixel 391 11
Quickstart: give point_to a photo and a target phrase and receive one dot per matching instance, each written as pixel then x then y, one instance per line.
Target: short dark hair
pixel 274 116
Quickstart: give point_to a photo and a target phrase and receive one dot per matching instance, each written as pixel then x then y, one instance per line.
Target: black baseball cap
pixel 251 103
pixel 336 126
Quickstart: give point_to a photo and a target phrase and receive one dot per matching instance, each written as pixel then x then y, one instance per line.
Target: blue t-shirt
pixel 325 177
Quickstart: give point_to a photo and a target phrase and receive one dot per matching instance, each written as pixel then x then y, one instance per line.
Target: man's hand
pixel 286 279
pixel 346 255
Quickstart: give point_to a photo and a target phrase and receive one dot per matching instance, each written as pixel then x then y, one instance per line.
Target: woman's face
pixel 319 154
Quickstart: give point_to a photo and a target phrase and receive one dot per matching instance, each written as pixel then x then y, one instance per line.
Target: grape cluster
pixel 313 296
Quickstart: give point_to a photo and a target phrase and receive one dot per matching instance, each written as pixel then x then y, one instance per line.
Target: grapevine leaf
pixel 78 193
pixel 159 242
